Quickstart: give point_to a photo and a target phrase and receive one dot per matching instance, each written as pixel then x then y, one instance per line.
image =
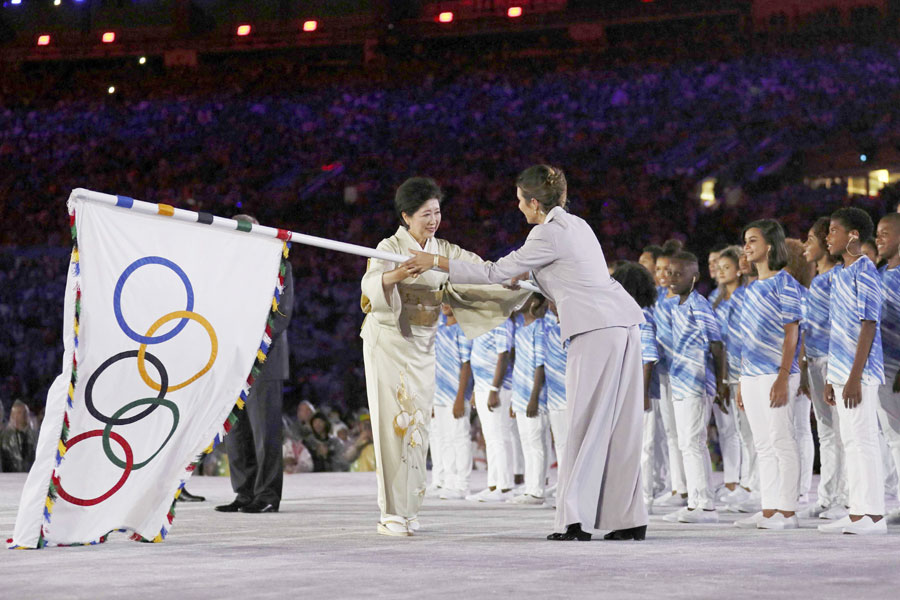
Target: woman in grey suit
pixel 600 482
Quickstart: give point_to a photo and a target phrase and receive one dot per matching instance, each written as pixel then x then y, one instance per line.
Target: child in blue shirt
pixel 770 374
pixel 492 371
pixel 887 239
pixel 855 370
pixel 815 329
pixel 695 333
pixel 451 445
pixel 529 397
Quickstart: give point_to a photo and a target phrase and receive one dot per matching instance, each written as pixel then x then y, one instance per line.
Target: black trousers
pixel 254 445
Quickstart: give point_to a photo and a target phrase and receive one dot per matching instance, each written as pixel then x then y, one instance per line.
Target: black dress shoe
pixel 233 507
pixel 258 506
pixel 573 533
pixel 635 533
pixel 186 496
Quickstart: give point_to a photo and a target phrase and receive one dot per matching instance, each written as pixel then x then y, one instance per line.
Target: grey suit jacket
pixel 566 261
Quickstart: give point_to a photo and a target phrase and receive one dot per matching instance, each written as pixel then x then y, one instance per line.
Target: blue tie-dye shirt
pixel 816 310
pixel 856 296
pixel 662 318
pixel 451 350
pixel 555 364
pixel 769 305
pixel 531 350
pixel 694 327
pixel 728 312
pixel 890 322
pixel 485 350
pixel 650 349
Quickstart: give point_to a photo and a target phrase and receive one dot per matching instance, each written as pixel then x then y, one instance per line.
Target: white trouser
pixel 832 476
pixel 865 471
pixel 691 419
pixel 667 411
pixel 773 436
pixel 887 464
pixel 496 438
pixel 749 465
pixel 654 454
pixel 531 433
pixel 452 464
pixel 805 446
pixel 514 444
pixel 889 417
pixel 560 430
pixel 729 443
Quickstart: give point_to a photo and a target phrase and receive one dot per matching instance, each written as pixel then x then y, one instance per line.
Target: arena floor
pixel 323 545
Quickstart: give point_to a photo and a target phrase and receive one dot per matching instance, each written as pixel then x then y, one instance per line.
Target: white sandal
pixel 395 526
pixel 413 525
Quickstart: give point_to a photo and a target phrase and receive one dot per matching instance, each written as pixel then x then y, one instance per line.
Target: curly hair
pixel 637 281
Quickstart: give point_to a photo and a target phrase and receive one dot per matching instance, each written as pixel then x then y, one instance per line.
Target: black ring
pixel 89 389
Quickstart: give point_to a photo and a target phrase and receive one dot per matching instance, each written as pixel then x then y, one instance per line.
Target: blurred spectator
pixel 17 441
pixel 361 455
pixel 324 448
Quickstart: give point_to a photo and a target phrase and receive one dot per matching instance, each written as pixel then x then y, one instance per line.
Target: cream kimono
pixel 398 349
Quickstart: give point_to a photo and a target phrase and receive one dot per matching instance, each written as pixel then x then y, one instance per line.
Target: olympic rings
pixel 184 315
pixel 109 425
pixel 129 461
pixel 117 299
pixel 89 389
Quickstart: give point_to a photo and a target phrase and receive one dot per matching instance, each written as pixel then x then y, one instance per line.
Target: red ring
pixel 129 461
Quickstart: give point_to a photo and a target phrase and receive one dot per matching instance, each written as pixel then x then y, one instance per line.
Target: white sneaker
pixel 866 526
pixel 835 526
pixel 477 495
pixel 497 495
pixel 395 526
pixel 736 496
pixel 749 522
pixel 779 522
pixel 525 499
pixel 834 513
pixel 698 516
pixel 752 504
pixel 670 499
pixel 433 491
pixel 448 494
pixel 672 517
pixel 813 512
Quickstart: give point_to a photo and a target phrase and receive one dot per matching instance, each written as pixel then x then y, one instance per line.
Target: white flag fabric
pixel 164 332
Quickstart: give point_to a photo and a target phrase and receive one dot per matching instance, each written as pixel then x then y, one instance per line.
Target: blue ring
pixel 117 299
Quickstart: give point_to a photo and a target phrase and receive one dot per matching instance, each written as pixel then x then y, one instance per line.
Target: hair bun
pixel 553 177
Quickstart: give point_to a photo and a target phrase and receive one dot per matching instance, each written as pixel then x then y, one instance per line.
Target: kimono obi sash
pixel 422 307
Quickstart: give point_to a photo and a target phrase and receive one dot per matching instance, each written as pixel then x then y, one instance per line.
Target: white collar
pixel 554 212
pixel 404 232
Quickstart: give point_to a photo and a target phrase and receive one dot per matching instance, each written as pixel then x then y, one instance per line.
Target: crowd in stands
pixel 323 153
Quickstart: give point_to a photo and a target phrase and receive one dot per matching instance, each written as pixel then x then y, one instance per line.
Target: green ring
pixel 157 401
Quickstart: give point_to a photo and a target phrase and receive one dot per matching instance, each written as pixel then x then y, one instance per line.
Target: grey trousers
pixel 254 445
pixel 600 483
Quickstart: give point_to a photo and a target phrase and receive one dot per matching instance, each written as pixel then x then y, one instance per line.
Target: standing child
pixel 770 374
pixel 555 374
pixel 855 370
pixel 888 240
pixel 451 445
pixel 529 397
pixel 816 327
pixel 695 333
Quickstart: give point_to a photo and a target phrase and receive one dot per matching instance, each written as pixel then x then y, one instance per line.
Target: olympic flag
pixel 164 331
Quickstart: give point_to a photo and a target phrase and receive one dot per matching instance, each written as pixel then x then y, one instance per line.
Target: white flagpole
pixel 190 216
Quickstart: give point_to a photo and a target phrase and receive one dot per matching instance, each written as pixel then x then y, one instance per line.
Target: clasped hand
pixel 419 263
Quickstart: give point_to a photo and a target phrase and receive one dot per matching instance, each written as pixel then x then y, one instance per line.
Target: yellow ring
pixel 179 314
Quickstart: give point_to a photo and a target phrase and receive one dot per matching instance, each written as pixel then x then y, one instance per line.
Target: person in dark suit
pixel 254 443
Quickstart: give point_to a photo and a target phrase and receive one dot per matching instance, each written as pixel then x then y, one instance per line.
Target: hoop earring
pixel 847 249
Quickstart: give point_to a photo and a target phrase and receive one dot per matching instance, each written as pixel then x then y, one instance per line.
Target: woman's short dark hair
pixel 545 184
pixel 413 193
pixel 819 230
pixel 321 416
pixel 732 253
pixel 773 233
pixel 672 247
pixel 653 250
pixel 637 281
pixel 855 219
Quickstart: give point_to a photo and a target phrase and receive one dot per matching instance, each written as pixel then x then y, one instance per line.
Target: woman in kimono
pixel 600 480
pixel 402 309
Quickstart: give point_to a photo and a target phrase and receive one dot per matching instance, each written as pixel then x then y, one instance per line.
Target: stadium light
pixel 16 2
pixel 445 17
pixel 243 30
pixel 109 37
pixel 111 89
pixel 57 2
pixel 309 26
pixel 43 40
pixel 142 60
pixel 514 11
